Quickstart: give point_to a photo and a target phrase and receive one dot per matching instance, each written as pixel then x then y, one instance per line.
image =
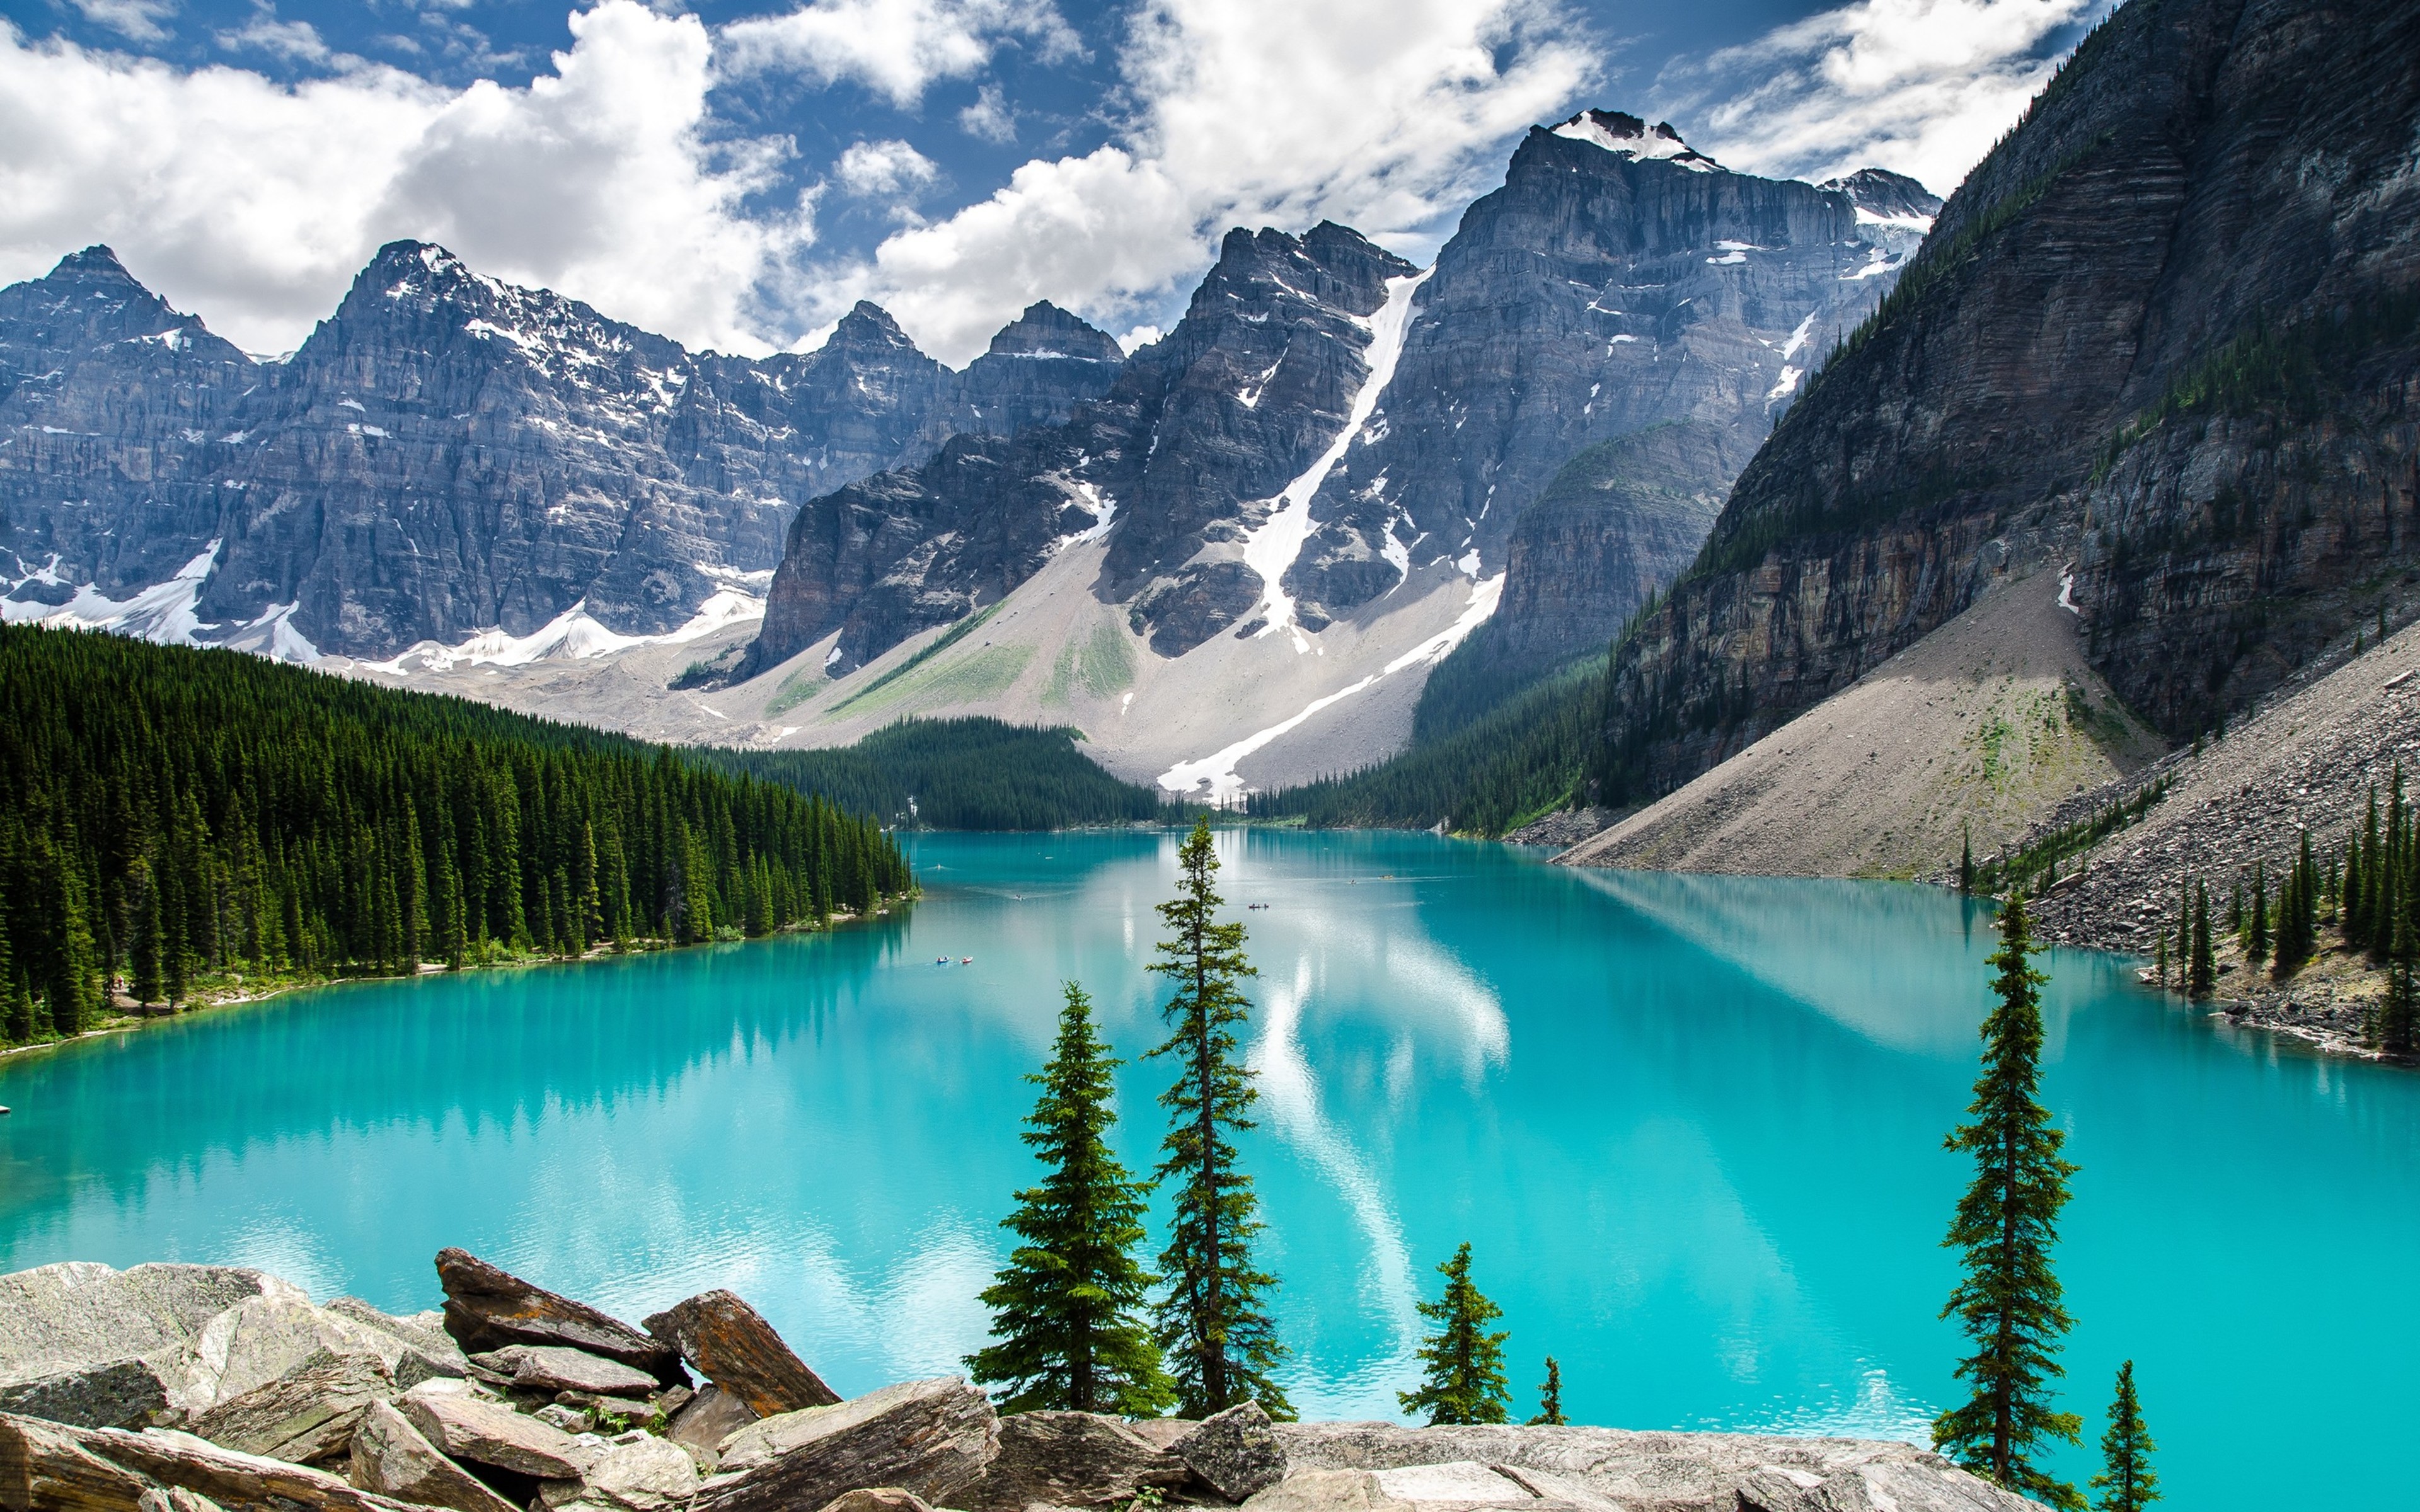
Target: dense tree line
pixel 176 812
pixel 958 774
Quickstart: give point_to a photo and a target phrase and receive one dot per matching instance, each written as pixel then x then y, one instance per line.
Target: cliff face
pixel 1618 281
pixel 1187 453
pixel 2163 340
pixel 446 455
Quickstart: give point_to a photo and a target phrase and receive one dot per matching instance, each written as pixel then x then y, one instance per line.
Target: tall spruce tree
pixel 2008 1301
pixel 2256 933
pixel 1465 1380
pixel 2128 1483
pixel 2202 966
pixel 1067 1307
pixel 1219 1342
pixel 1550 1398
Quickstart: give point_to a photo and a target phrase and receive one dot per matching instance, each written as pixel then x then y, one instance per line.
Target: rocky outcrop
pixel 487 1307
pixel 446 455
pixel 307 1416
pixel 730 1344
pixel 546 1367
pixel 2164 337
pixel 458 1445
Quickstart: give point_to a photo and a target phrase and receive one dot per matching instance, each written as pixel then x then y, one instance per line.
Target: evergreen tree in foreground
pixel 1066 1308
pixel 1550 1398
pixel 2008 1303
pixel 2128 1485
pixel 1219 1342
pixel 1464 1383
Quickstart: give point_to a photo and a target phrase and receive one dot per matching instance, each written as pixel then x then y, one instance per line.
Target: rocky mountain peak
pixel 868 327
pixel 1625 136
pixel 1047 331
pixel 87 301
pixel 1883 197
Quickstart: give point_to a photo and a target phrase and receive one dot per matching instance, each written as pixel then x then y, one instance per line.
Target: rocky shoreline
pixel 196 1388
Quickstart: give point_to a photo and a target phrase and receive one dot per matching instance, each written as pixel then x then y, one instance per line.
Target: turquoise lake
pixel 1691 1126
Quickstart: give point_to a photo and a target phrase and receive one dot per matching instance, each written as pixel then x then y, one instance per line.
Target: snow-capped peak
pixel 1627 136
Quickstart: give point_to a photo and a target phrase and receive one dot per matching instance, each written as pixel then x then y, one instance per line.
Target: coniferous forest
pixel 181 816
pixel 958 774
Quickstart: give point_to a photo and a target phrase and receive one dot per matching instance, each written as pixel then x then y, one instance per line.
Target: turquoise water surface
pixel 1691 1126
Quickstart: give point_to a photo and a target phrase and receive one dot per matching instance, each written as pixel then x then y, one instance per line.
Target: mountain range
pixel 1230 556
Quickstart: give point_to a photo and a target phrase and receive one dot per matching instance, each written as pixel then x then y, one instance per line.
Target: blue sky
pixel 735 173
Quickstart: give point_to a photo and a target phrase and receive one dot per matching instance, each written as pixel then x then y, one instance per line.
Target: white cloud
pixel 1920 86
pixel 883 167
pixel 255 203
pixel 137 18
pixel 893 47
pixel 297 41
pixel 1384 115
pixel 989 118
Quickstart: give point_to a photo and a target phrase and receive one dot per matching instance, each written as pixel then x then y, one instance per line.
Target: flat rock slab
pixel 44 1467
pixel 117 1394
pixel 1236 1453
pixel 1636 1472
pixel 85 1344
pixel 731 1345
pixel 553 1368
pixel 491 1433
pixel 1070 1460
pixel 238 1481
pixel 932 1438
pixel 393 1457
pixel 491 1308
pixel 637 1472
pixel 878 1498
pixel 307 1416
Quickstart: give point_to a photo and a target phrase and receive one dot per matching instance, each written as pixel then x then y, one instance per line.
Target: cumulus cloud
pixel 893 47
pixel 989 118
pixel 255 202
pixel 1920 86
pixel 883 167
pixel 138 19
pixel 296 41
pixel 1384 115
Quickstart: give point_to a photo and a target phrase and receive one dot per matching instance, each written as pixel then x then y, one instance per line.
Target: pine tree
pixel 1464 1382
pixel 2128 1483
pixel 2398 1012
pixel 1066 1307
pixel 2201 967
pixel 1966 860
pixel 1219 1342
pixel 2008 1301
pixel 1550 1398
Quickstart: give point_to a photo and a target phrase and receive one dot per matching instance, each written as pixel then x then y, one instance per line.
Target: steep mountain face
pixel 1189 453
pixel 1618 281
pixel 2163 339
pixel 448 455
pixel 113 407
pixel 1325 420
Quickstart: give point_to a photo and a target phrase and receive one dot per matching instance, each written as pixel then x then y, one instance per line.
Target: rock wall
pixel 2074 371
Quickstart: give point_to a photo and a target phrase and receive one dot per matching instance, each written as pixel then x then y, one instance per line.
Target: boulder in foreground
pixel 487 1307
pixel 393 1457
pixel 491 1433
pixel 307 1416
pixel 1236 1453
pixel 731 1345
pixel 930 1438
pixel 1069 1460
